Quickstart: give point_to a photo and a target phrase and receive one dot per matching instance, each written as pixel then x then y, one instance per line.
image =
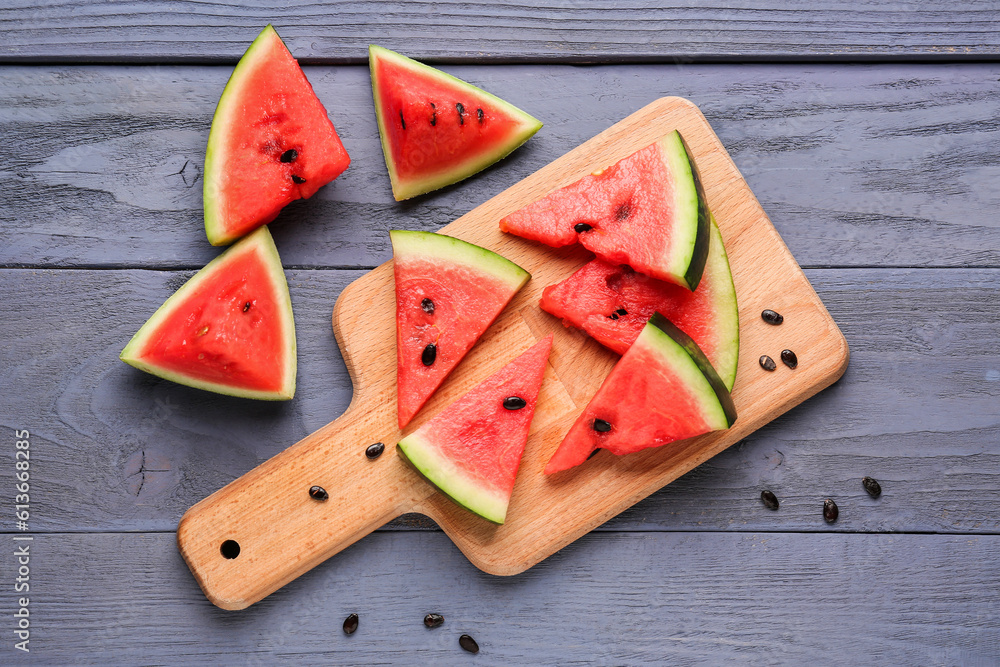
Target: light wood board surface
pixel 283 532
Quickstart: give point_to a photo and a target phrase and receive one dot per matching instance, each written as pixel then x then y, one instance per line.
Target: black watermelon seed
pixel 623 211
pixel 374 451
pixel 769 499
pixel 613 316
pixel 461 112
pixel 771 317
pixel 480 114
pixel 350 624
pixel 427 306
pixel 429 354
pixel 318 493
pixel 789 358
pixel 298 179
pixel 246 306
pixel 434 115
pixel 433 620
pixel 401 120
pixel 289 155
pixel 581 227
pixel 622 312
pixel 830 511
pixel 601 426
pixel 767 363
pixel 468 643
pixel 872 486
pixel 593 453
pixel 514 403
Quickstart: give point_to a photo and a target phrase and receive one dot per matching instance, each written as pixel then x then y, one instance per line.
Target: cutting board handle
pixel 264 529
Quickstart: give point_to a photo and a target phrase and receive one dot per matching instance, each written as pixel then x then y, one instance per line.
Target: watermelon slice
pixel 271 143
pixel 647 210
pixel 472 450
pixel 437 130
pixel 228 329
pixel 447 293
pixel 663 389
pixel 612 303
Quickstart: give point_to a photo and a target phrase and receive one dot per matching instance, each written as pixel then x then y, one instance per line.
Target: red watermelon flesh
pixel 229 329
pixel 473 448
pixel 271 143
pixel 437 129
pixel 612 303
pixel 663 389
pixel 647 210
pixel 448 292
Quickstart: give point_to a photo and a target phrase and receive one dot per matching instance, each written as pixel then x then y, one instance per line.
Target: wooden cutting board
pixel 281 532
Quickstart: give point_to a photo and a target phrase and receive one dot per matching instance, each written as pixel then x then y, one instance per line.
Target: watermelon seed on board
pixel 318 493
pixel 772 317
pixel 374 451
pixel 789 358
pixel 767 363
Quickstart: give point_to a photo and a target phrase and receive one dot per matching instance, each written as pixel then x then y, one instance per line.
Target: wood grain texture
pixel 129 31
pixel 283 532
pixel 116 449
pixel 856 165
pixel 609 599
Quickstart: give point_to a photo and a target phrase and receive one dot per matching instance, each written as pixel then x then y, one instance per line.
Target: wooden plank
pixel 285 533
pixel 175 30
pixel 856 165
pixel 687 598
pixel 116 449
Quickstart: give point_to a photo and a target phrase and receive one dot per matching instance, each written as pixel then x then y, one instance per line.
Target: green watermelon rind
pixel 462 488
pixel 689 245
pixel 214 227
pixel 686 359
pixel 264 243
pixel 406 190
pixel 728 324
pixel 456 251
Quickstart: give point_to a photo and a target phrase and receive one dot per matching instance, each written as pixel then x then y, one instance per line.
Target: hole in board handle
pixel 230 549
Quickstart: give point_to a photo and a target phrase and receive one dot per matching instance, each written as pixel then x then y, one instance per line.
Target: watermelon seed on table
pixel 374 451
pixel 872 486
pixel 468 643
pixel 830 510
pixel 350 624
pixel 433 620
pixel 769 499
pixel 789 358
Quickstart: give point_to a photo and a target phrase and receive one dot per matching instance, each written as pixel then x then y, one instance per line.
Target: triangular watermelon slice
pixel 448 292
pixel 436 129
pixel 271 143
pixel 612 303
pixel 472 449
pixel 647 210
pixel 663 389
pixel 228 329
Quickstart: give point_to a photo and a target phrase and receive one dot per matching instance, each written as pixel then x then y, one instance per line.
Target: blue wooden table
pixel 869 132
